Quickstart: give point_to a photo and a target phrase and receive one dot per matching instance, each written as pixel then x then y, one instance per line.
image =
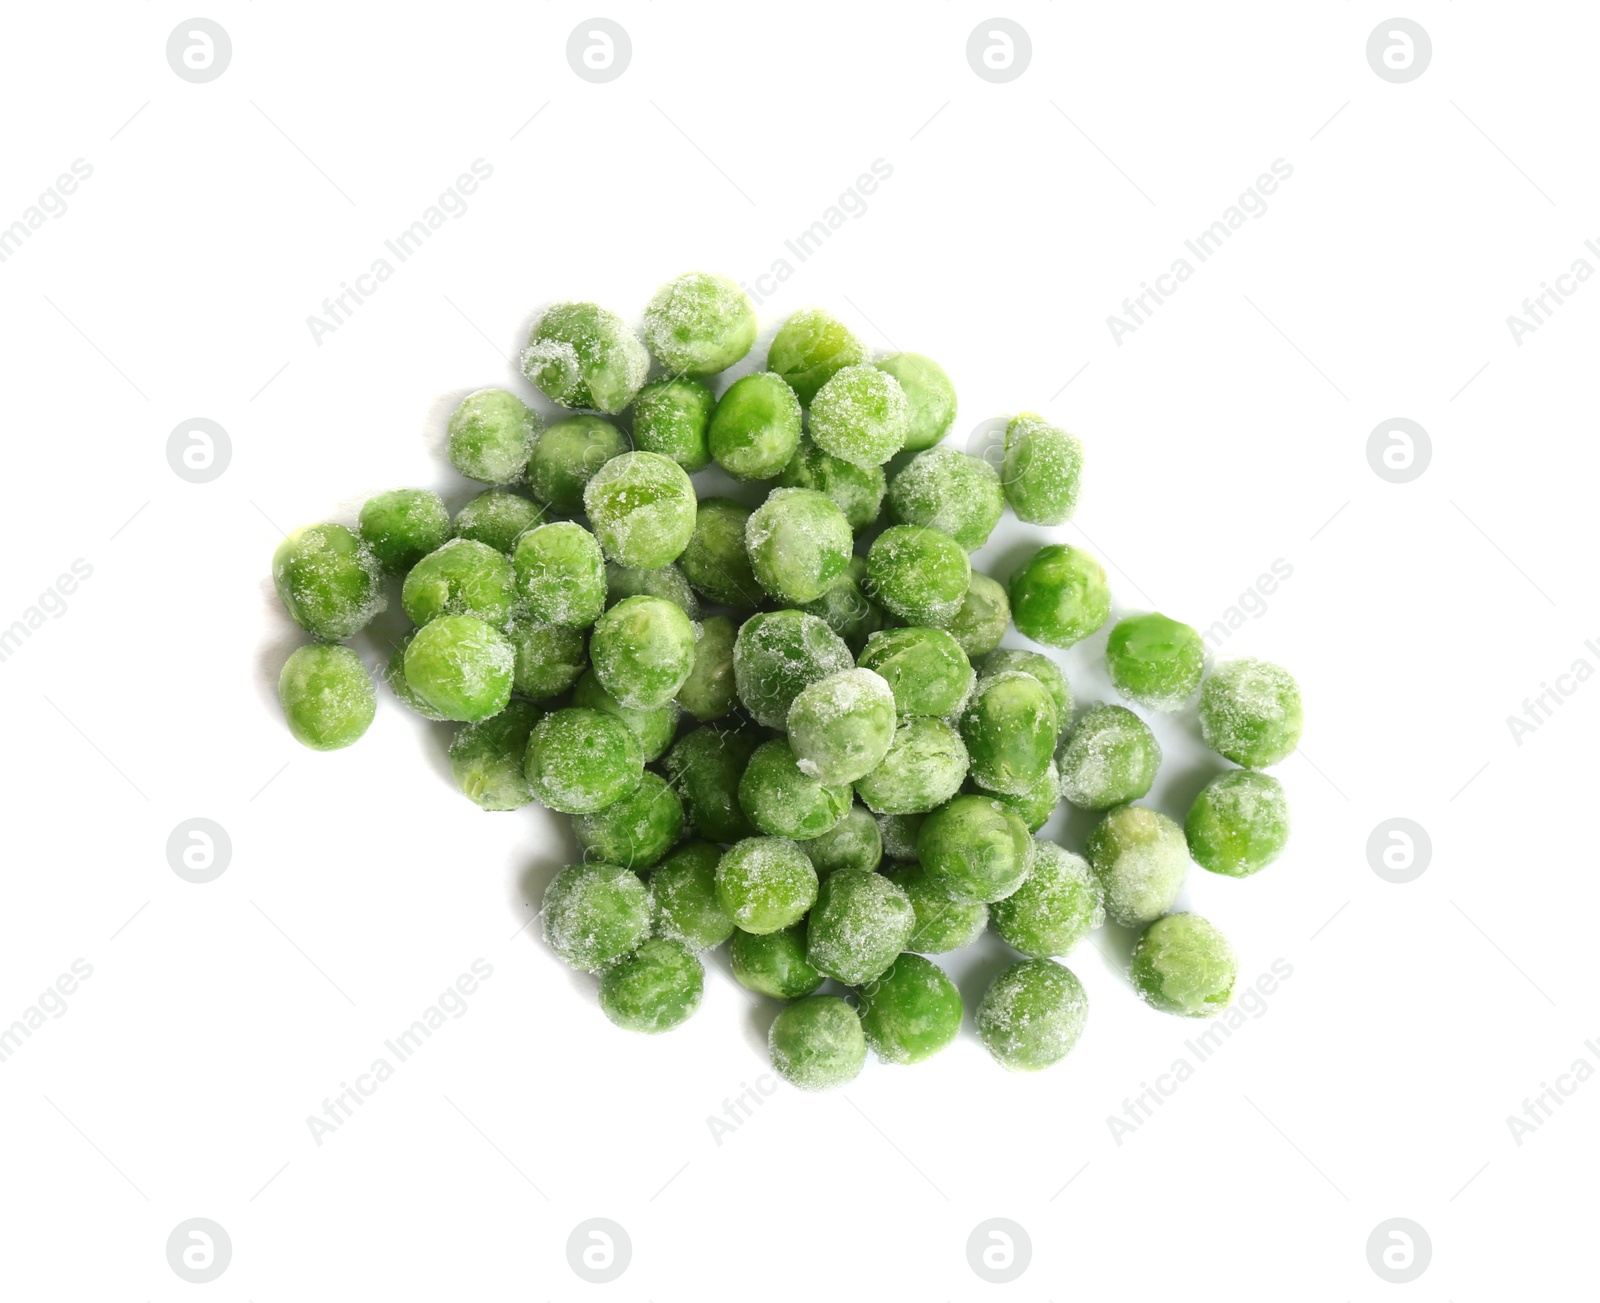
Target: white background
pixel 1228 432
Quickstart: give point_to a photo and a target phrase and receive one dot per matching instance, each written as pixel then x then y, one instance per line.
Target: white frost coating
pixel 1245 700
pixel 594 914
pixel 777 654
pixel 1141 858
pixel 861 922
pixel 1032 1015
pixel 840 727
pixel 642 507
pixel 861 416
pixel 1111 756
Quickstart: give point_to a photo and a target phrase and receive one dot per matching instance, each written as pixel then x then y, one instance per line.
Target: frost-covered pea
pixel 1010 729
pixel 861 416
pixel 810 348
pixel 899 833
pixel 642 508
pixel 976 849
pixel 783 801
pixel 860 923
pixel 1238 824
pixel 402 526
pixel 931 396
pixel 1041 667
pixel 755 427
pixel 461 578
pixel 845 607
pixel 1060 596
pixel 1035 805
pixel 699 323
pixel 497 517
pixel 856 490
pixel 920 575
pixel 1054 909
pixel 490 436
pixel 705 767
pixel 715 560
pixel 461 667
pixel 817 1043
pixel 582 760
pixel 327 695
pixel 983 617
pixel 840 728
pixel 1181 964
pixel 666 581
pixel 1155 661
pixel 654 989
pixel 923 768
pixel 581 355
pixel 708 693
pixel 778 653
pixel 550 657
pixel 1141 859
pixel 926 670
pixel 1109 757
pixel 852 843
pixel 765 883
pixel 560 574
pixel 636 830
pixel 395 674
pixel 773 963
pixel 1250 712
pixel 799 544
pixel 1032 1015
pixel 683 897
pixel 486 757
pixel 671 416
pixel 329 580
pixel 1041 470
pixel 642 650
pixel 942 924
pixel 655 728
pixel 910 1011
pixel 566 457
pixel 594 914
pixel 953 492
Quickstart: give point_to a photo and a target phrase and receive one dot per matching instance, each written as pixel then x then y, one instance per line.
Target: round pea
pixel 920 575
pixel 841 727
pixel 666 581
pixel 942 924
pixel 497 517
pixel 983 617
pixel 810 348
pixel 636 830
pixel 1041 470
pixel 845 607
pixel 395 673
pixel 699 323
pixel 924 768
pixel 1054 909
pixel 1041 667
pixel 706 766
pixel 817 1043
pixel 715 560
pixel 931 396
pixel 581 355
pixel 329 581
pixel 755 427
pixel 1238 824
pixel 856 490
pixel 1010 729
pixel 490 436
pixel 582 760
pixel 549 657
pixel 976 849
pixel 799 544
pixel 642 508
pixel 403 526
pixel 1155 661
pixel 683 898
pixel 910 1012
pixel 708 693
pixel 1060 596
pixel 461 578
pixel 486 757
pixel 566 457
pixel 852 843
pixel 1250 712
pixel 654 728
pixel 672 416
pixel 1032 1015
pixel 1181 964
pixel 461 667
pixel 950 491
pixel 327 695
pixel 765 883
pixel 860 923
pixel 774 963
pixel 560 574
pixel 594 914
pixel 1110 757
pixel 643 651
pixel 925 669
pixel 1141 859
pixel 783 801
pixel 861 415
pixel 776 654
pixel 654 989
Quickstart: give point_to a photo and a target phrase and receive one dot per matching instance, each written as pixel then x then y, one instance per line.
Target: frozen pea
pixel 926 670
pixel 923 768
pixel 1155 661
pixel 566 457
pixel 594 914
pixel 1110 757
pixel 1041 470
pixel 861 416
pixel 840 728
pixel 817 1043
pixel 942 924
pixel 329 581
pixel 491 435
pixel 899 833
pixel 1054 909
pixel 783 801
pixel 1041 667
pixel 773 963
pixel 1250 712
pixel 715 560
pixel 580 355
pixel 799 544
pixel 582 760
pixel 1010 728
pixel 810 348
pixel 776 654
pixel 486 757
pixel 636 830
pixel 920 575
pixel 683 898
pixel 654 989
pixel 1032 1015
pixel 461 667
pixel 755 427
pixel 911 1011
pixel 983 617
pixel 765 883
pixel 860 923
pixel 327 695
pixel 402 526
pixel 1141 859
pixel 953 492
pixel 461 578
pixel 931 396
pixel 666 581
pixel 672 416
pixel 395 673
pixel 1035 805
pixel 642 650
pixel 699 323
pixel 642 508
pixel 708 693
pixel 497 517
pixel 852 843
pixel 1060 596
pixel 976 849
pixel 654 728
pixel 1238 824
pixel 706 766
pixel 856 490
pixel 560 574
pixel 1181 964
pixel 549 657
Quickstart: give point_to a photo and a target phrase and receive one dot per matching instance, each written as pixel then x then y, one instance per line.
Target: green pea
pixel 708 693
pixel 560 574
pixel 852 843
pixel 580 355
pixel 594 914
pixel 549 657
pixel 817 1043
pixel 976 849
pixel 395 673
pixel 716 561
pixel 755 427
pixel 497 517
pixel 856 490
pixel 566 457
pixel 1010 729
pixel 327 695
pixel 1155 661
pixel 983 617
pixel 910 1012
pixel 926 670
pixel 1060 596
pixel 899 834
pixel 776 654
pixel 1141 859
pixel 1110 757
pixel 642 507
pixel 845 607
pixel 643 650
pixel 683 898
pixel 841 727
pixel 668 582
pixel 920 575
pixel 1032 1015
pixel 490 436
pixel 654 989
pixel 636 830
pixel 460 578
pixel 461 667
pixel 810 348
pixel 861 416
pixel 930 394
pixel 924 768
pixel 1181 964
pixel 861 921
pixel 783 801
pixel 582 760
pixel 1035 805
pixel 799 544
pixel 706 766
pixel 774 963
pixel 1250 712
pixel 402 526
pixel 654 728
pixel 950 491
pixel 329 580
pixel 1041 470
pixel 486 757
pixel 1041 667
pixel 1054 909
pixel 1238 824
pixel 699 323
pixel 942 924
pixel 672 416
pixel 765 883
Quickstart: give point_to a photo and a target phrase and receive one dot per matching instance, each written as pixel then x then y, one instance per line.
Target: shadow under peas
pixel 990 957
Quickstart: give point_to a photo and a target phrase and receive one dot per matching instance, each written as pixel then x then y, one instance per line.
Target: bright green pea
pixel 683 898
pixel 765 883
pixel 666 581
pixel 461 578
pixel 636 830
pixel 1035 805
pixel 1155 661
pixel 910 1012
pixel 1181 964
pixel 799 544
pixel 845 608
pixel 856 490
pixel 582 760
pixel 1041 470
pixel 1032 1015
pixel 1060 596
pixel 716 561
pixel 672 416
pixel 950 491
pixel 1041 667
pixel 580 355
pixel 860 923
pixel 840 728
pixel 861 416
pixel 594 914
pixel 774 963
pixel 776 654
pixel 1238 824
pixel 497 517
pixel 327 695
pixel 708 693
pixel 566 457
pixel 1250 712
pixel 403 526
pixel 1054 909
pixel 491 435
pixel 486 757
pixel 931 395
pixel 1110 757
pixel 654 728
pixel 642 650
pixel 817 1043
pixel 983 618
pixel 699 323
pixel 1010 728
pixel 1141 859
pixel 923 768
pixel 975 849
pixel 755 427
pixel 920 575
pixel 783 801
pixel 942 924
pixel 810 348
pixel 706 766
pixel 654 989
pixel 642 508
pixel 461 667
pixel 560 574
pixel 926 670
pixel 329 581
pixel 550 657
pixel 852 843
pixel 395 673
